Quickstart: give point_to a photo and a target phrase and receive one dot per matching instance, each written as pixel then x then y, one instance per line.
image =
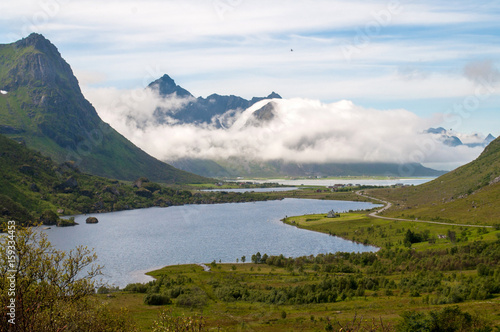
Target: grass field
pixel 396 270
pixel 389 233
pixel 367 310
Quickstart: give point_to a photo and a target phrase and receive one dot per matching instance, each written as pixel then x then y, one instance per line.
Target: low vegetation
pixel 421 281
pixel 45 289
pixel 467 195
pixel 357 227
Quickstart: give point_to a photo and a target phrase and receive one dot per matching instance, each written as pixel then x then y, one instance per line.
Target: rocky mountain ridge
pixel 200 110
pixel 44 107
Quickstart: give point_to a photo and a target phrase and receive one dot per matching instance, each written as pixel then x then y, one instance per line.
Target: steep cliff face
pixel 43 96
pixel 44 107
pixel 38 63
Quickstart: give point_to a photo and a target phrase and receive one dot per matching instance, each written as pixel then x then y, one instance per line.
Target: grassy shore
pixel 390 233
pixel 431 275
pixel 368 308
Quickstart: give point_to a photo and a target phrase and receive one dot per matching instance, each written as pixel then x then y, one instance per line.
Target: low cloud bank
pixel 300 130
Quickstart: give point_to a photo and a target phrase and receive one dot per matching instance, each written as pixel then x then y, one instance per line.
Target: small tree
pixel 452 236
pixel 53 288
pixel 243 259
pixel 256 258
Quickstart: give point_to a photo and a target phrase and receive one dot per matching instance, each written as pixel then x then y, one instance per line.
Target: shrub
pixel 156 299
pixel 136 288
pixel 448 319
pixel 196 298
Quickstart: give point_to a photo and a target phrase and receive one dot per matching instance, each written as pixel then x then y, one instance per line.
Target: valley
pixel 364 239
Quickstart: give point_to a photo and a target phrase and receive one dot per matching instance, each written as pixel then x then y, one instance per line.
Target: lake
pixel 331 182
pixel 129 243
pixel 257 190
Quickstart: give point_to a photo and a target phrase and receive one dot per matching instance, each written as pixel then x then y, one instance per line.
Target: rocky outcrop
pixel 26 169
pixel 67 186
pixel 263 115
pixel 4 129
pixel 138 183
pixel 91 220
pixel 112 190
pixel 496 180
pixel 143 192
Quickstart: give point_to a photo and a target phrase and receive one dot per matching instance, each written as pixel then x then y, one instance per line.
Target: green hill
pixel 469 194
pixel 42 105
pixel 31 184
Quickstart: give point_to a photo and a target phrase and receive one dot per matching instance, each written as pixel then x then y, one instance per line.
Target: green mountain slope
pixel 31 184
pixel 44 107
pixel 470 194
pixel 236 167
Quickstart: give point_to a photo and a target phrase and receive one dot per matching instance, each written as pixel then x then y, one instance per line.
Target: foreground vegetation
pixel 44 289
pixel 382 291
pixel 418 281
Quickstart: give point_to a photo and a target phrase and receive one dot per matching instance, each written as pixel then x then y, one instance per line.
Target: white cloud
pixel 303 130
pixel 243 47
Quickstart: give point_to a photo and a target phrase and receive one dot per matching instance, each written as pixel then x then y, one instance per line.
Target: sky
pixel 438 60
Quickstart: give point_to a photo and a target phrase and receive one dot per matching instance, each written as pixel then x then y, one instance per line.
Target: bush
pixel 196 298
pixel 106 290
pixel 448 319
pixel 49 218
pixel 136 288
pixel 156 299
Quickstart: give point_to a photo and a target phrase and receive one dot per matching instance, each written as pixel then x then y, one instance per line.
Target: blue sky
pixel 437 59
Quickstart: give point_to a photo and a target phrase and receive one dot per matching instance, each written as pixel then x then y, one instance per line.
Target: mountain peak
pixel 46 109
pixel 167 86
pixel 273 95
pixel 35 62
pixel 490 138
pixel 39 42
pixel 439 130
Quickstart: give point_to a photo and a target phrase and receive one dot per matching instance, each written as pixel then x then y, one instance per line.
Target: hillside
pixel 469 194
pixel 31 184
pixel 236 167
pixel 42 105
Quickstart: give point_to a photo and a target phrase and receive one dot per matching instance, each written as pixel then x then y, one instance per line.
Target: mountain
pixel 221 112
pixel 41 104
pixel 469 194
pixel 449 139
pixel 200 110
pixel 238 167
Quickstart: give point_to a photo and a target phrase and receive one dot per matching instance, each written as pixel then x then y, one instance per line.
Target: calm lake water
pixel 257 190
pixel 331 182
pixel 130 243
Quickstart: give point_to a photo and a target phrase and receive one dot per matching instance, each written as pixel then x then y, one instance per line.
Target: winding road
pixel 388 205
